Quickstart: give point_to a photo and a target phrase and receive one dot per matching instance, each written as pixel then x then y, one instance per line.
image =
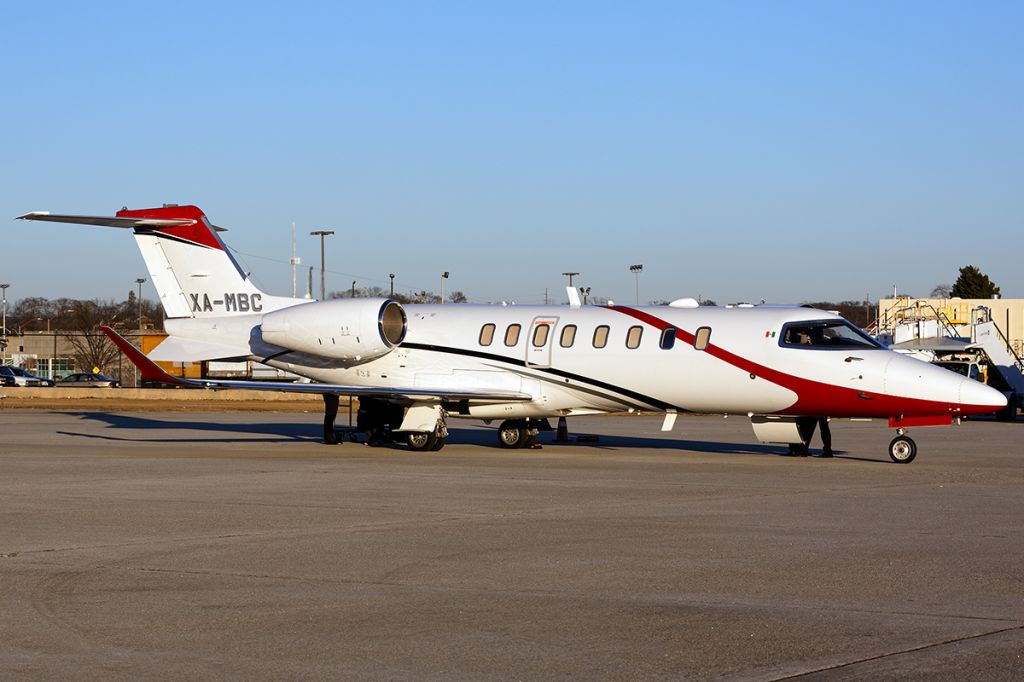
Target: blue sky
pixel 789 151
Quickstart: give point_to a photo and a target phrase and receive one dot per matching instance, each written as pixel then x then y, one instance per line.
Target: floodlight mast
pixel 322 234
pixel 636 270
pixel 3 342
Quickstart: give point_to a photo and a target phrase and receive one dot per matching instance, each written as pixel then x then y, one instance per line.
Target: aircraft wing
pixel 150 371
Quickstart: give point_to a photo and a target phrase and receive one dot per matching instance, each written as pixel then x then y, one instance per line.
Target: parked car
pixel 21 377
pixel 88 379
pixel 28 376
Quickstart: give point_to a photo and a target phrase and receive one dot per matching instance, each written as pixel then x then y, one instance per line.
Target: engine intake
pixel 354 330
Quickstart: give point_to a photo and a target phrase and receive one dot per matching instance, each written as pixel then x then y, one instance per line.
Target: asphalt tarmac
pixel 236 546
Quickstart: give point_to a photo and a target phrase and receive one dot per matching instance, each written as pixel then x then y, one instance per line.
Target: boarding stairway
pixel 929 333
pixel 987 336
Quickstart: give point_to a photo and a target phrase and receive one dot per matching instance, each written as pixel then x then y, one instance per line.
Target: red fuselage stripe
pixel 815 398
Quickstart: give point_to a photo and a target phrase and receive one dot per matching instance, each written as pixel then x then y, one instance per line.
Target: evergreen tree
pixel 972 283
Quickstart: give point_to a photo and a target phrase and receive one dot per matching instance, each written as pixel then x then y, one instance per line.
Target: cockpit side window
pixel 826 335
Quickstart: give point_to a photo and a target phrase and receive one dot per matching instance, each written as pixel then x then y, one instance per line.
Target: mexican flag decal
pixel 769 335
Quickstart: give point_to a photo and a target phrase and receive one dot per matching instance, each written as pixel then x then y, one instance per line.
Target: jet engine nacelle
pixel 351 329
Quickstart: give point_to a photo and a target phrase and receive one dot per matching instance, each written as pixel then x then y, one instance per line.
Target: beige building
pixel 957 314
pixel 51 354
pixel 46 354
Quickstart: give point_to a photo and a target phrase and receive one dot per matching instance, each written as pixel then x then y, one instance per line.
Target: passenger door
pixel 539 340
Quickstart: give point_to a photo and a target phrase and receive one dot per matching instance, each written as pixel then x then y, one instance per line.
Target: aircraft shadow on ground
pixel 273 431
pixel 276 432
pixel 616 441
pixel 487 437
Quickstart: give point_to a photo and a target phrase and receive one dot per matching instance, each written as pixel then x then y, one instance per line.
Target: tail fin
pixel 191 268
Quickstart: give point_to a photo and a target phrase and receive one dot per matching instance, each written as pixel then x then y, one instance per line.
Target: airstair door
pixel 538 343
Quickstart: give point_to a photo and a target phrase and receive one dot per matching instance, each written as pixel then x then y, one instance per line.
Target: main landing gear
pixel 424 441
pixel 902 449
pixel 425 427
pixel 517 433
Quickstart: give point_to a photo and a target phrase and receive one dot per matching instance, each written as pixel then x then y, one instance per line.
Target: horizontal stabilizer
pixel 151 372
pixel 110 221
pixel 105 221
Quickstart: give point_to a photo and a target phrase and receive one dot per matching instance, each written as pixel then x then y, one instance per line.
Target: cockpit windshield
pixel 826 334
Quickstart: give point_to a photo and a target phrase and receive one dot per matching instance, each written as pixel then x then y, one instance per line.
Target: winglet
pixel 149 370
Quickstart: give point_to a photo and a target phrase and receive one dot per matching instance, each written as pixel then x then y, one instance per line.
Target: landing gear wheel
pixel 421 441
pixel 438 443
pixel 902 450
pixel 513 434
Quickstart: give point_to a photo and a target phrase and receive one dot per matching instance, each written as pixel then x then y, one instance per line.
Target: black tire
pixel 421 441
pixel 512 434
pixel 902 450
pixel 438 444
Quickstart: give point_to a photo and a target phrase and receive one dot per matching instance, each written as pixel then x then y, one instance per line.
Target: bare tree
pixel 858 312
pixel 92 347
pixel 30 313
pixel 364 292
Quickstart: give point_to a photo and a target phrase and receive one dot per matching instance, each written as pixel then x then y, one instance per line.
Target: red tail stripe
pixel 199 232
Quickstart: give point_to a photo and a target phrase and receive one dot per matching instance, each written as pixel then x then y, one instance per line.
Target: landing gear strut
pixel 902 449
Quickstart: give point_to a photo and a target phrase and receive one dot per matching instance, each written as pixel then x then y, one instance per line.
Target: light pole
pixel 353 289
pixel 392 276
pixel 140 281
pixel 3 345
pixel 444 276
pixel 636 270
pixel 570 275
pixel 135 370
pixel 295 261
pixel 322 234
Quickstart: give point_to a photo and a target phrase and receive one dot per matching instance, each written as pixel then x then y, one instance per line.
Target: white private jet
pixel 413 366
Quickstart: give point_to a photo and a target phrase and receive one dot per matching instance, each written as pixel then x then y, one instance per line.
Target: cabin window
pixel 668 338
pixel 826 334
pixel 601 336
pixel 702 338
pixel 486 334
pixel 568 335
pixel 633 337
pixel 540 335
pixel 512 334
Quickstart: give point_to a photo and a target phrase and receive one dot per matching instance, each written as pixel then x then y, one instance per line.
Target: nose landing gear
pixel 902 449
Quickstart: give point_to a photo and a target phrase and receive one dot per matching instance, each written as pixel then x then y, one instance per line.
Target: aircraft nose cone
pixel 977 398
